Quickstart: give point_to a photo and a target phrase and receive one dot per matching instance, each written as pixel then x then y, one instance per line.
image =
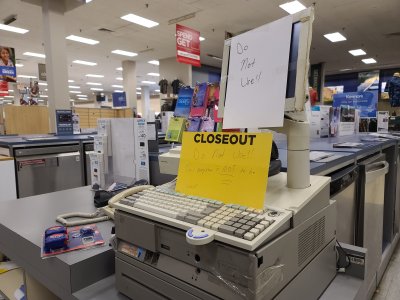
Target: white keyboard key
pixel 255 231
pixel 249 236
pixel 260 227
pixel 201 222
pixel 208 225
pixel 157 210
pixel 215 226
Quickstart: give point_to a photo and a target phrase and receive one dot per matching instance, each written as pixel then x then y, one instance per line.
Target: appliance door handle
pixel 376 169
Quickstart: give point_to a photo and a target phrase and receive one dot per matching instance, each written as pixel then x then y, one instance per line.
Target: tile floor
pixel 389 287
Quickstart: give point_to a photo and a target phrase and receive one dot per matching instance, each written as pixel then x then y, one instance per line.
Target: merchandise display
pixel 393 87
pixel 163 86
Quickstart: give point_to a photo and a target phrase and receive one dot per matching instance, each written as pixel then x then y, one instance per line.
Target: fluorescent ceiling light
pixel 70 80
pixel 74 87
pixel 96 89
pixel 46 90
pixel 86 63
pixel 82 98
pixel 94 75
pixel 13 29
pixel 154 62
pixel 44 96
pixel 19 65
pixel 11 91
pixel 8 96
pixel 34 54
pixel 42 83
pixel 153 74
pixel 119 78
pixel 335 37
pixel 125 53
pixel 201 39
pixel 119 69
pixel 292 7
pixel 26 76
pixel 357 52
pixel 148 82
pixel 118 91
pixel 344 70
pixel 71 100
pixel 369 61
pixel 75 92
pixel 139 89
pixel 93 83
pixel 157 91
pixel 81 95
pixel 118 86
pixel 139 20
pixel 137 93
pixel 80 39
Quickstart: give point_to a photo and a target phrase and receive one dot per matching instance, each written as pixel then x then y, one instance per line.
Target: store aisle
pixel 389 288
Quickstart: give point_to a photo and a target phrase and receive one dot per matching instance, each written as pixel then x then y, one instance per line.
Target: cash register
pixel 175 246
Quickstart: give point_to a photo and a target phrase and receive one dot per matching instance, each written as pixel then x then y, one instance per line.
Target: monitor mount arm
pixel 298 152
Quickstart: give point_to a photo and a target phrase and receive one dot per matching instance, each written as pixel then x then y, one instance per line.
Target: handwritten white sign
pixel 257 76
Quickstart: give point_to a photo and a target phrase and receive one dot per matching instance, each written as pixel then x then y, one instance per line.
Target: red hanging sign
pixel 187 45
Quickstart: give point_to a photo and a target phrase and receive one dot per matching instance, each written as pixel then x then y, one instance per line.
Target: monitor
pixel 297 78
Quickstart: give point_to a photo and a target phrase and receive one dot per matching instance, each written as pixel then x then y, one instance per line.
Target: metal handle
pixel 376 171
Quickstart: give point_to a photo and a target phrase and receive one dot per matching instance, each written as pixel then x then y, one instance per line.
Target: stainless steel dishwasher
pixel 48 169
pixel 343 189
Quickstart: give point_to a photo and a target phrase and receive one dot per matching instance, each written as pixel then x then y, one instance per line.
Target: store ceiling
pixel 368 24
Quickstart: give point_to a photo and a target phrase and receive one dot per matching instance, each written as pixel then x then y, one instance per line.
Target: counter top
pixel 8 141
pixel 21 238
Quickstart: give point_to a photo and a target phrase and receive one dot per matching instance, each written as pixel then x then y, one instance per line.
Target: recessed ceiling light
pixel 70 80
pixel 157 91
pixel 139 20
pixel 26 76
pixel 148 82
pixel 125 53
pixel 118 86
pixel 80 98
pixel 201 39
pixel 119 69
pixel 71 100
pixel 34 54
pixel 80 39
pixel 42 83
pixel 75 92
pixel 154 62
pixel 369 61
pixel 94 75
pixel 357 52
pixel 137 93
pixel 13 29
pixel 292 7
pixel 96 89
pixel 93 83
pixel 139 89
pixel 19 65
pixel 86 63
pixel 119 78
pixel 81 95
pixel 153 74
pixel 335 37
pixel 74 87
pixel 118 91
pixel 344 70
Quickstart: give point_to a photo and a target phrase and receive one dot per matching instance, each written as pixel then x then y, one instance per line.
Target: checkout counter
pixel 61 275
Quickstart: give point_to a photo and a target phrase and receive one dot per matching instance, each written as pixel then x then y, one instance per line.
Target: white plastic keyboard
pixel 206 220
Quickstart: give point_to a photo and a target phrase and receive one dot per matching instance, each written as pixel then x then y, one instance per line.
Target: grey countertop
pixel 17 140
pixel 22 224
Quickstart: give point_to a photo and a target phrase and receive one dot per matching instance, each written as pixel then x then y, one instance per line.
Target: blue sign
pixel 8 71
pixel 366 102
pixel 119 99
pixel 183 103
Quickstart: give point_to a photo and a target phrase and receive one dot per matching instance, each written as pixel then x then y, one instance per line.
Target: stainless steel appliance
pixel 48 169
pixel 343 189
pixel 87 148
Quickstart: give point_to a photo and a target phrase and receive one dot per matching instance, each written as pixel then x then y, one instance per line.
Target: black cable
pixel 338 266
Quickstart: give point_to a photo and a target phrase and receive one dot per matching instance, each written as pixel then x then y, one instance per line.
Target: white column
pixel 145 101
pixel 129 83
pixel 56 57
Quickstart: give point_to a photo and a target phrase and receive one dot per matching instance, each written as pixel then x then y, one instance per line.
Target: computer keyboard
pixel 204 219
